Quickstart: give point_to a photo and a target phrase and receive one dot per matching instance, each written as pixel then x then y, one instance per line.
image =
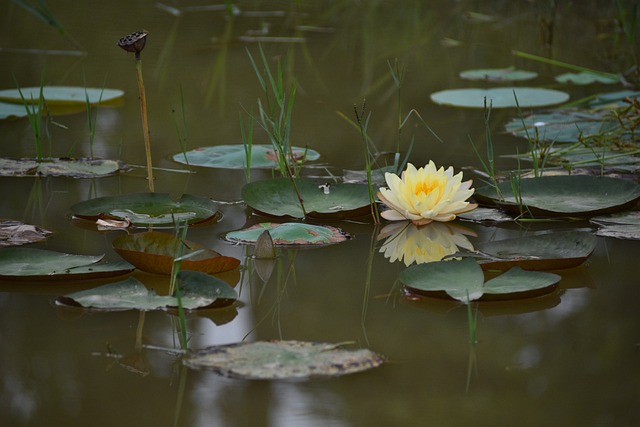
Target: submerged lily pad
pixel 234 156
pixel 197 290
pixel 38 264
pixel 290 233
pixel 277 197
pixel 76 168
pixel 154 252
pixel 268 360
pixel 504 97
pixel 463 280
pixel 586 78
pixel 575 195
pixel 15 233
pixel 620 226
pixel 148 209
pixel 564 249
pixel 61 95
pixel 498 74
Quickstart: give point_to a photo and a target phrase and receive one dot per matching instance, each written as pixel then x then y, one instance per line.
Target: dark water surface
pixel 568 359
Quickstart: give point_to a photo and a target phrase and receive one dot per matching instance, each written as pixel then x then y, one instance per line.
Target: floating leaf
pixel 278 197
pixel 564 249
pixel 63 95
pixel 290 233
pixel 283 360
pixel 586 78
pixel 15 233
pixel 154 252
pixel 614 98
pixel 463 280
pixel 39 264
pixel 481 214
pixel 574 195
pixel 149 209
pixel 620 226
pixel 504 97
pixel 76 168
pixel 12 111
pixel 197 290
pixel 234 156
pixel 498 74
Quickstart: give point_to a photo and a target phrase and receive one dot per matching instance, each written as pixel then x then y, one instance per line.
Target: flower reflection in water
pixel 410 243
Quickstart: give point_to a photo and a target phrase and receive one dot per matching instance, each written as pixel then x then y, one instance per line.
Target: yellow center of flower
pixel 427 186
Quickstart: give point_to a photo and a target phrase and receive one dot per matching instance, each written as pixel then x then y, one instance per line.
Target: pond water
pixel 568 358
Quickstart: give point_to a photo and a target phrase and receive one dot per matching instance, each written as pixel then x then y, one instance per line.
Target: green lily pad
pixel 197 290
pixel 76 168
pixel 481 214
pixel 504 97
pixel 585 78
pixel 614 98
pixel 61 95
pixel 15 233
pixel 463 280
pixel 11 111
pixel 290 233
pixel 234 156
pixel 154 252
pixel 283 360
pixel 32 264
pixel 498 74
pixel 550 251
pixel 277 197
pixel 575 195
pixel 148 209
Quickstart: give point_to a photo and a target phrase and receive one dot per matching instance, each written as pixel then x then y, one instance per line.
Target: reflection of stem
pixel 180 397
pixel 367 283
pixel 472 366
pixel 138 346
pixel 145 126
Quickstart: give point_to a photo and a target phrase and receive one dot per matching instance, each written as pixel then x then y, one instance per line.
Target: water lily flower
pixel 434 242
pixel 425 195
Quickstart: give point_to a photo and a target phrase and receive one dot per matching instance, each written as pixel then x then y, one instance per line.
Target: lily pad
pixel 15 233
pixel 197 290
pixel 498 74
pixel 63 95
pixel 481 214
pixel 574 195
pixel 504 97
pixel 234 156
pixel 11 111
pixel 290 233
pixel 277 197
pixel 149 209
pixel 269 360
pixel 463 280
pixel 154 252
pixel 585 78
pixel 38 264
pixel 76 168
pixel 620 226
pixel 550 251
pixel 614 98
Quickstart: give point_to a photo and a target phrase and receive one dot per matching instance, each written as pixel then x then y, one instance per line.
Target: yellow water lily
pixel 425 195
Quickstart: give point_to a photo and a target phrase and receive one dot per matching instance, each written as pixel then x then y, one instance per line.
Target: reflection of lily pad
pixel 464 281
pixel 563 195
pixel 620 226
pixel 61 95
pixel 39 264
pixel 76 168
pixel 154 252
pixel 145 209
pixel 278 197
pixel 290 233
pixel 197 290
pixel 498 74
pixel 504 97
pixel 283 360
pixel 549 251
pixel 234 156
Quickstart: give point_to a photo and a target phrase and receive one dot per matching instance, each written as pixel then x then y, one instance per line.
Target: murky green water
pixel 569 358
